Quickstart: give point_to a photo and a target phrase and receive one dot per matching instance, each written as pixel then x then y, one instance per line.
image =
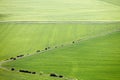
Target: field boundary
pixel 74 21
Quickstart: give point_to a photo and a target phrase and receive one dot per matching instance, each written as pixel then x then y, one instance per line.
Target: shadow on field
pixel 3 16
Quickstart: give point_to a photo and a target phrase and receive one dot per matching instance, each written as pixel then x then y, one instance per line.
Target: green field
pixel 94 59
pixel 7 75
pixel 28 37
pixel 83 37
pixel 24 38
pixel 115 2
pixel 60 10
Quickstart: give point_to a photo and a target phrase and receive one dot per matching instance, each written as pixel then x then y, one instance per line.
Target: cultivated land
pixel 115 2
pixel 7 75
pixel 83 37
pixel 97 58
pixel 27 38
pixel 60 10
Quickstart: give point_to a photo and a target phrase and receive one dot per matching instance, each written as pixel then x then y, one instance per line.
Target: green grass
pixel 93 59
pixel 24 38
pixel 7 75
pixel 115 2
pixel 46 10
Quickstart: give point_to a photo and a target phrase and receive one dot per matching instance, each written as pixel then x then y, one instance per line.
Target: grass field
pixel 7 75
pixel 28 37
pixel 94 59
pixel 24 38
pixel 85 32
pixel 115 2
pixel 46 10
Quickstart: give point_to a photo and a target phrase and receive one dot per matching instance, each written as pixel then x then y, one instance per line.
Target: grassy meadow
pixel 8 75
pixel 27 38
pixel 94 59
pixel 60 10
pixel 73 61
pixel 83 37
pixel 115 2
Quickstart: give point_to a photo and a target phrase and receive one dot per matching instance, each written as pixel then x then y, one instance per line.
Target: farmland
pixel 59 40
pixel 60 10
pixel 79 60
pixel 115 2
pixel 26 38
